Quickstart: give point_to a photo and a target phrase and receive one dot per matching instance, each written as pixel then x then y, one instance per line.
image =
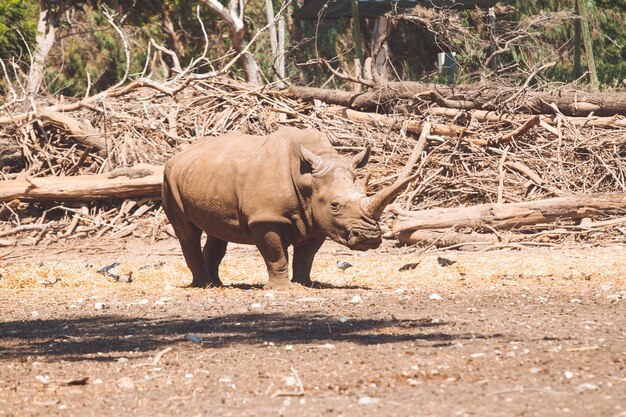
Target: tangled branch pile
pixel 463 157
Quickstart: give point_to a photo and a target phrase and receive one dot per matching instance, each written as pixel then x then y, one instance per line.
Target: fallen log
pixel 508 216
pixel 85 187
pixel 80 131
pixel 394 122
pixel 482 97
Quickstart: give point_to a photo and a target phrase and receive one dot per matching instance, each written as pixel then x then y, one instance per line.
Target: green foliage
pixel 86 43
pixel 17 17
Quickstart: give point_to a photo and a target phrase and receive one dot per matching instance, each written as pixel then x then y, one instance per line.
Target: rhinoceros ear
pixel 317 162
pixel 360 160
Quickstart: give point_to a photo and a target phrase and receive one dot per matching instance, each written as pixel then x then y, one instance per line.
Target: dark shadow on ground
pixel 80 338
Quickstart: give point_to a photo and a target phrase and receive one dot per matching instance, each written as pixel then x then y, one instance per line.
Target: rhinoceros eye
pixel 335 206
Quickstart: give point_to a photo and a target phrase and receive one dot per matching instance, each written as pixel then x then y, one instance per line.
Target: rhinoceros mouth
pixel 361 239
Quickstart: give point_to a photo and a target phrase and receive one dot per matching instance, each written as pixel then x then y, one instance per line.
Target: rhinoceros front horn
pixel 375 205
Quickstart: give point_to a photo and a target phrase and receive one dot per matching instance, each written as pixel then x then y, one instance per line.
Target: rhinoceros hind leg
pixel 190 244
pixel 213 253
pixel 273 247
pixel 303 256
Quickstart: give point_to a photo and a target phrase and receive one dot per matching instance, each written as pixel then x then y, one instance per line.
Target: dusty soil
pixel 510 333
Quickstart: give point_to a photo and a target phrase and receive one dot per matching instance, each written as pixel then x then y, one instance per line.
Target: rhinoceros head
pixel 339 205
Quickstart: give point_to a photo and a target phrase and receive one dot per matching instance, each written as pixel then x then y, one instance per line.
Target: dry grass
pixel 560 268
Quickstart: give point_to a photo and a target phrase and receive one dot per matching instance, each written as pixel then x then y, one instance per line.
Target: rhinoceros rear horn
pixel 375 205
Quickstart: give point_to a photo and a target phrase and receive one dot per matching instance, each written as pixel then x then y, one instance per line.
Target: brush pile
pixel 464 157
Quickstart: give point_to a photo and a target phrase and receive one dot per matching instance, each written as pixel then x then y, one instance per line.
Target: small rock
pixel 225 380
pixel 343 265
pixel 43 379
pixel 587 386
pixel 269 294
pixel 614 298
pixel 144 301
pixel 435 297
pixel 343 319
pixel 399 290
pixel 606 286
pixel 125 278
pixel 289 347
pixel 356 299
pixel 535 370
pixel 34 313
pixel 100 305
pixel 568 374
pixel 188 375
pixel 161 301
pixel 122 360
pixel 290 381
pixel 255 305
pixel 126 383
pixel 477 355
pixel 193 338
pixel 367 400
pixel 328 346
pixel 97 381
pixel 576 301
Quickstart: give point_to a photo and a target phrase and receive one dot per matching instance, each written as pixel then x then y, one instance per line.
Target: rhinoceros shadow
pixel 104 338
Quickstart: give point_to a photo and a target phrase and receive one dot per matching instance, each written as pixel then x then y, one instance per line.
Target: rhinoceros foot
pixel 206 284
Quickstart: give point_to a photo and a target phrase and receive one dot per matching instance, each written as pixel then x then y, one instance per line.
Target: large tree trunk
pixel 140 181
pixel 508 216
pixel 45 41
pixel 234 18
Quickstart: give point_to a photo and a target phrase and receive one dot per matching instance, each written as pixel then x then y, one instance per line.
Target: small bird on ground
pixel 343 265
pixel 445 262
pixel 408 267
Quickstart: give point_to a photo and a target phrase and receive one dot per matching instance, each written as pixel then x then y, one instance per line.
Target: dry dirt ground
pixel 537 332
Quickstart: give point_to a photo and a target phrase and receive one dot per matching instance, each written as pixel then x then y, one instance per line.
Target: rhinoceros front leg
pixel 303 256
pixel 271 242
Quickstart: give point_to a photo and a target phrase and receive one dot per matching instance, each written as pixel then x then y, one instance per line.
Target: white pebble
pixel 367 400
pixel 399 290
pixel 255 305
pixel 290 381
pixel 269 294
pixel 435 297
pixel 100 305
pixel 144 301
pixel 161 301
pixel 343 319
pixel 225 380
pixel 568 374
pixel 34 313
pixel 188 375
pixel 126 383
pixel 97 381
pixel 289 347
pixel 356 299
pixel 43 379
pixel 535 370
pixel 587 386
